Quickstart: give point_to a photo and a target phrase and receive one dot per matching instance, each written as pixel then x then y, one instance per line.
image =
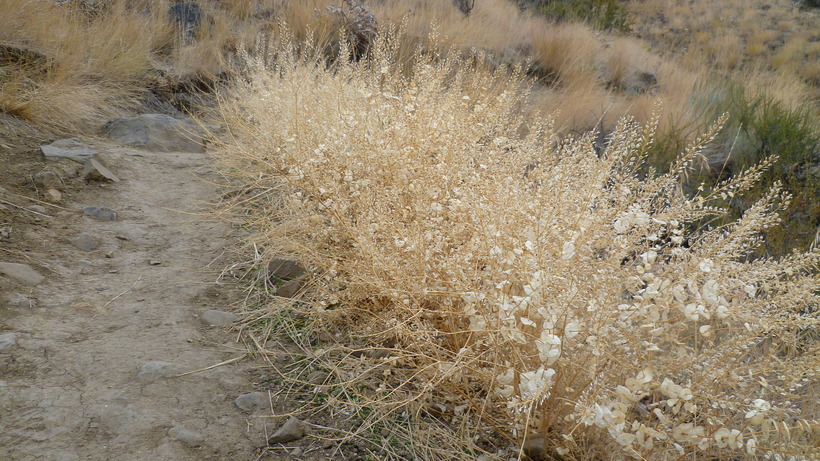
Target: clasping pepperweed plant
pixel 545 289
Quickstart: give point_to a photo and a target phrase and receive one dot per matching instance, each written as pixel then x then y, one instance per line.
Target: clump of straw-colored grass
pixel 536 286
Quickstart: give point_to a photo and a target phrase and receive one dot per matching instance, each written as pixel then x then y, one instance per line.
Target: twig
pixel 235 359
pixel 124 292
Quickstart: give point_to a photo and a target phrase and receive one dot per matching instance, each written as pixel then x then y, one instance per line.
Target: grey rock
pixel 19 300
pixel 156 132
pixel 218 318
pixel 204 171
pixel 94 170
pixel 252 401
pixel 22 273
pixel 289 288
pixel 85 242
pixel 293 429
pixel 297 451
pixel 47 179
pixel 100 213
pixel 7 340
pixel 285 269
pixel 151 371
pixel 38 209
pixel 186 436
pixel 54 195
pixel 70 148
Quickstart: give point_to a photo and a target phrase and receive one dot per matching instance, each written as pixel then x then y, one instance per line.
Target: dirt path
pixel 76 378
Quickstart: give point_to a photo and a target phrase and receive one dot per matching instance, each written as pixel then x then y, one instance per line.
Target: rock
pixel 204 171
pixel 252 401
pixel 93 170
pixel 154 262
pixel 47 179
pixel 285 269
pixel 297 451
pixel 54 195
pixel 22 273
pixel 289 288
pixel 187 16
pixel 19 300
pixel 70 148
pixel 293 429
pixel 7 340
pixel 186 436
pixel 85 242
pixel 218 318
pixel 100 213
pixel 156 132
pixel 38 209
pixel 151 371
pixel 5 232
pixel 535 445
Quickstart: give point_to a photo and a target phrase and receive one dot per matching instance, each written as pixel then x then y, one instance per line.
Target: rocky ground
pixel 114 316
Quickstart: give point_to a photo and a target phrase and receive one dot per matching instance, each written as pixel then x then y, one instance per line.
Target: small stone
pixel 100 213
pixel 218 318
pixel 38 209
pixel 289 288
pixel 154 370
pixel 68 148
pixel 186 436
pixel 154 262
pixel 252 401
pixel 94 170
pixel 297 451
pixel 204 171
pixel 327 444
pixel 54 195
pixel 535 445
pixel 85 242
pixel 285 269
pixel 19 300
pixel 47 179
pixel 293 429
pixel 7 340
pixel 22 273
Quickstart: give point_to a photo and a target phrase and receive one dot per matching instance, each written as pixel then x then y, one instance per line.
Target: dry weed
pixel 531 285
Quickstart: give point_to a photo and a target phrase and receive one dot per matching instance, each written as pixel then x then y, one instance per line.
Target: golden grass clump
pixel 536 285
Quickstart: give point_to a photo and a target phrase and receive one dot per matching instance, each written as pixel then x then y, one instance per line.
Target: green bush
pixel 601 14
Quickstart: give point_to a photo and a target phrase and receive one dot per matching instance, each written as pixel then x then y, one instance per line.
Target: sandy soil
pixel 73 386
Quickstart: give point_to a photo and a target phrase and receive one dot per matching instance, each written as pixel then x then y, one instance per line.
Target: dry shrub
pixel 525 283
pixel 566 51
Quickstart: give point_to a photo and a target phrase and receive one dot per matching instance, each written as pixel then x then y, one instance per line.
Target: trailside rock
pixel 94 170
pixel 151 371
pixel 157 132
pixel 293 429
pixel 47 179
pixel 19 300
pixel 218 318
pixel 186 436
pixel 285 269
pixel 7 340
pixel 100 213
pixel 22 273
pixel 85 242
pixel 252 401
pixel 68 148
pixel 289 288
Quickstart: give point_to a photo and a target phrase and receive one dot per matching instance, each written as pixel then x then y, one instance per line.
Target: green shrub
pixel 601 14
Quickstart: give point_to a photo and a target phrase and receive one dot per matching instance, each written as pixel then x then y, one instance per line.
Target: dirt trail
pixel 75 385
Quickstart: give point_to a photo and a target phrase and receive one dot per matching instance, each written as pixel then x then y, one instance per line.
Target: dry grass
pixel 519 283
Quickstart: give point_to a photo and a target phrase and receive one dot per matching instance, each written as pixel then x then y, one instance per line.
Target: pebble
pixel 54 195
pixel 96 171
pixel 252 401
pixel 38 208
pixel 186 436
pixel 218 318
pixel 19 300
pixel 154 262
pixel 297 451
pixel 285 269
pixel 7 340
pixel 289 288
pixel 47 179
pixel 85 242
pixel 154 370
pixel 203 171
pixel 293 429
pixel 22 273
pixel 100 213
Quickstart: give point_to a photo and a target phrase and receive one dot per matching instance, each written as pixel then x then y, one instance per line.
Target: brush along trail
pixel 110 357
